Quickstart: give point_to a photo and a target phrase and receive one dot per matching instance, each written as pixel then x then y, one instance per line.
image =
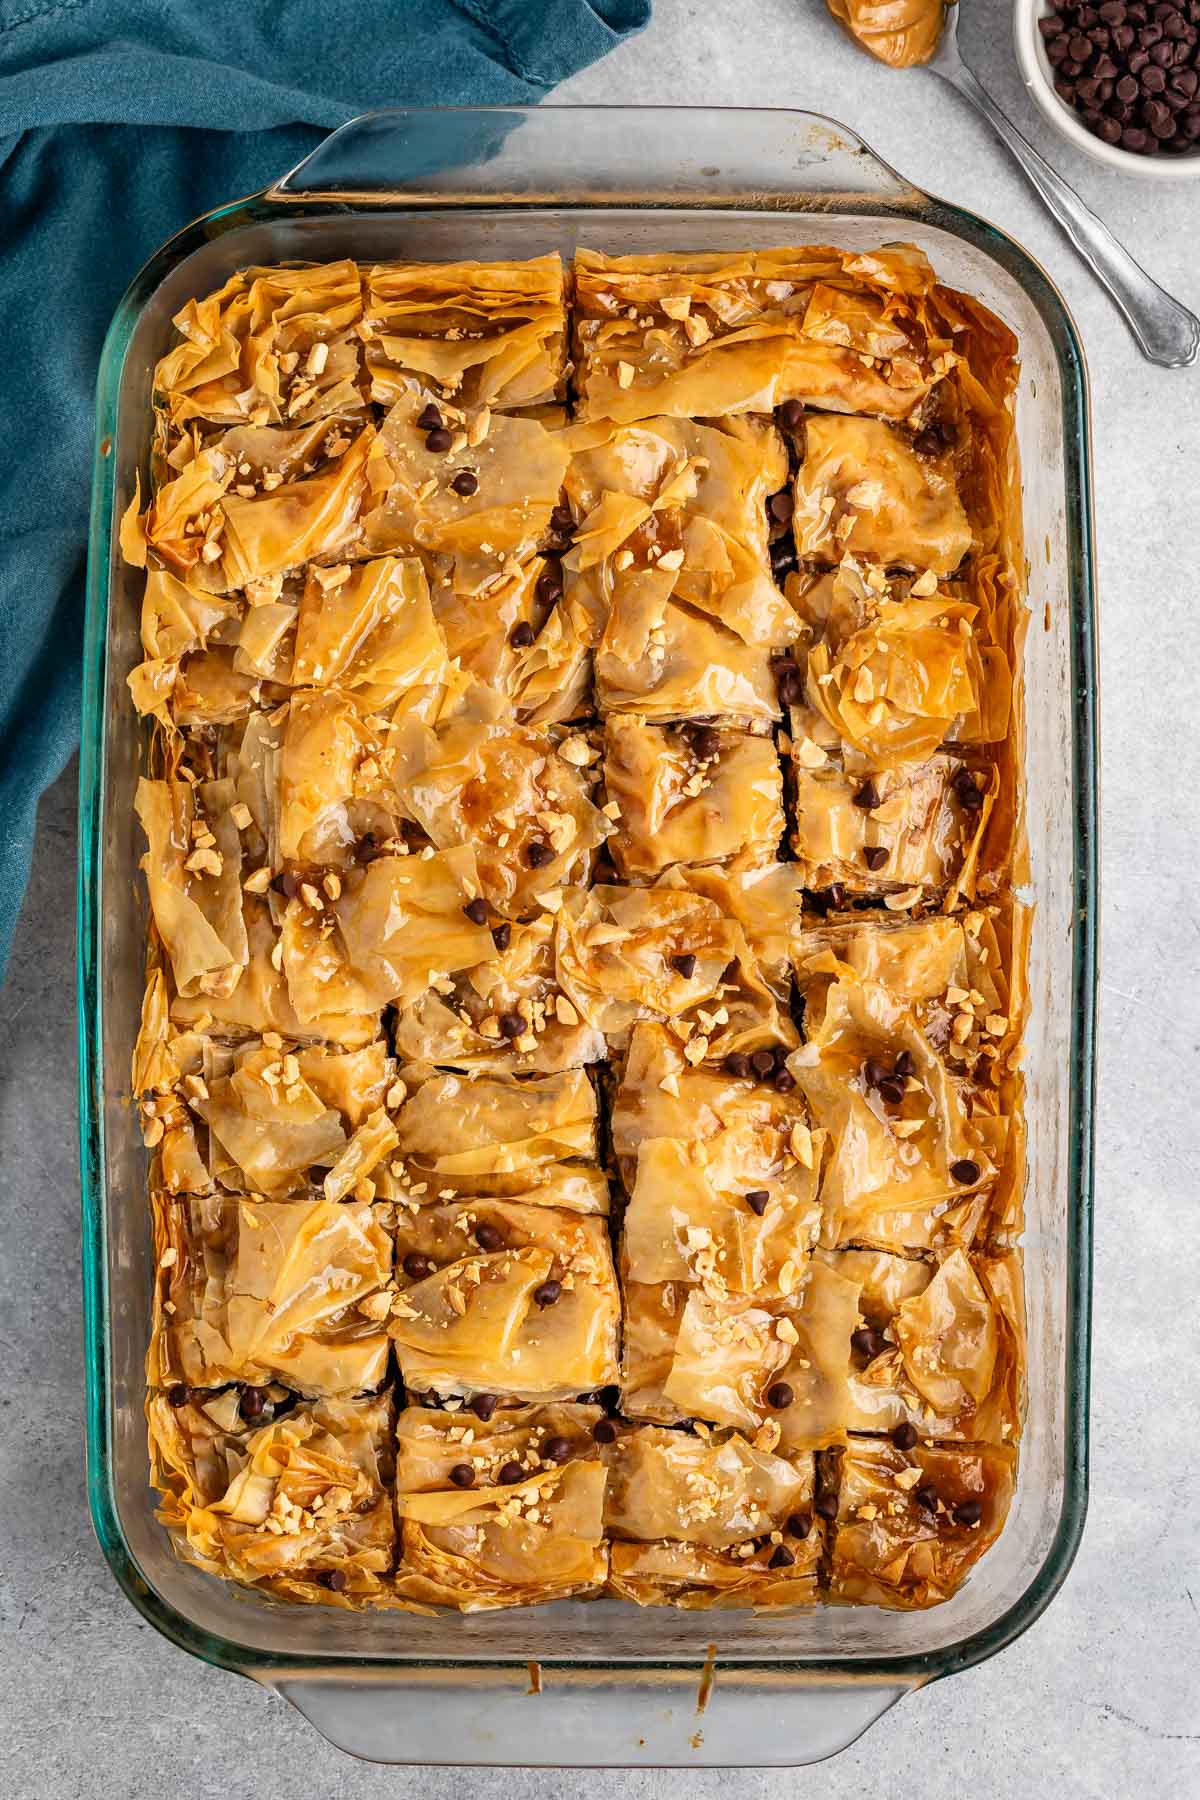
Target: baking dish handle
pixel 589 1718
pixel 634 156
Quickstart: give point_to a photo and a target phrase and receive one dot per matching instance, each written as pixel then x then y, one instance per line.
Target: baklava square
pixel 504 1297
pixel 692 794
pixel 502 1510
pixel 299 1505
pixel 911 1524
pixel 709 1521
pixel 297 1291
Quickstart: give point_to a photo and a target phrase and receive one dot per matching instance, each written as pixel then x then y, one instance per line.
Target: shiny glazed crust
pixel 580 1052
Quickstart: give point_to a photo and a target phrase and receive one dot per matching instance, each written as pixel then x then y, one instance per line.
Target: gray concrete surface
pixel 1101 1697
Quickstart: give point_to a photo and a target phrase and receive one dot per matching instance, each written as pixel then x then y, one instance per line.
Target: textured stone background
pixel 1102 1693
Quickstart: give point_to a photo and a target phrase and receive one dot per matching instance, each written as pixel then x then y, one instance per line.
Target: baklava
pixel 581 1044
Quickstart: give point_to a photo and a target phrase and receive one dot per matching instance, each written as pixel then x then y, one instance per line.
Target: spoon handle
pixel 1166 331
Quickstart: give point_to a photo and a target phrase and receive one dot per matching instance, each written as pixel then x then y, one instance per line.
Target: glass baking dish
pixel 600 1683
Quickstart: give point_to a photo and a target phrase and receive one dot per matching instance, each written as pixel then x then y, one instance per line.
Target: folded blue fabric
pixel 121 120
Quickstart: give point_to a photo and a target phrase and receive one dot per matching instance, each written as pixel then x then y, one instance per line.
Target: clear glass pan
pixel 618 1686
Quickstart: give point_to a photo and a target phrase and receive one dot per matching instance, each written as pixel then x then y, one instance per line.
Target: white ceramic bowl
pixel 1038 76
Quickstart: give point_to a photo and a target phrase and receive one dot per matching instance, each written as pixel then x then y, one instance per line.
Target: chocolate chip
pixel 874 1071
pixel 537 854
pixel 439 440
pixel 867 1342
pixel 431 419
pixel 512 1024
pixel 368 849
pixel 604 872
pixel 781 506
pixel 875 855
pixel 706 743
pixel 789 683
pixel 253 1403
pixel 604 1431
pixel 779 1395
pixel 509 1473
pixel 287 884
pixel 784 1081
pixel 798 1525
pixel 179 1395
pixel 477 911
pixel 926 1497
pixel 930 442
pixel 488 1237
pixel 763 1063
pixel 463 1475
pixel 522 635
pixel 904 1436
pixel 757 1200
pixel 737 1064
pixel 826 1506
pixel 791 415
pixel 502 938
pixel 686 965
pixel 484 1405
pixel 891 1090
pixel 549 586
pixel 549 1293
pixel 965 1170
pixel 967 1512
pixel 562 519
pixel 867 796
pixel 556 1449
pixel 466 483
pixel 782 1558
pixel 836 894
pixel 904 1064
pixel 416 1266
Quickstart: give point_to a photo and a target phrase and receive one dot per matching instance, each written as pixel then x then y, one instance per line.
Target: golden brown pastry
pixel 775 1368
pixel 476 334
pixel 584 987
pixel 501 1510
pixel 709 1521
pixel 710 334
pixel 507 1012
pixel 694 795
pixel 272 347
pixel 670 954
pixel 503 1135
pixel 892 673
pixel 670 552
pixel 505 792
pixel 500 1297
pixel 300 1506
pixel 259 1290
pixel 862 490
pixel 912 1080
pixel 912 1523
pixel 942 1346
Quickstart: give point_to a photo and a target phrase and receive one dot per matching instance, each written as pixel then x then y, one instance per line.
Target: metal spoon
pixel 1167 333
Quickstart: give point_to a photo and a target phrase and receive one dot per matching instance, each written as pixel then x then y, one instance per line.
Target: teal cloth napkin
pixel 119 122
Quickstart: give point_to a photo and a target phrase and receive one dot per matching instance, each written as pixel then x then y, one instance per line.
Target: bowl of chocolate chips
pixel 1120 79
